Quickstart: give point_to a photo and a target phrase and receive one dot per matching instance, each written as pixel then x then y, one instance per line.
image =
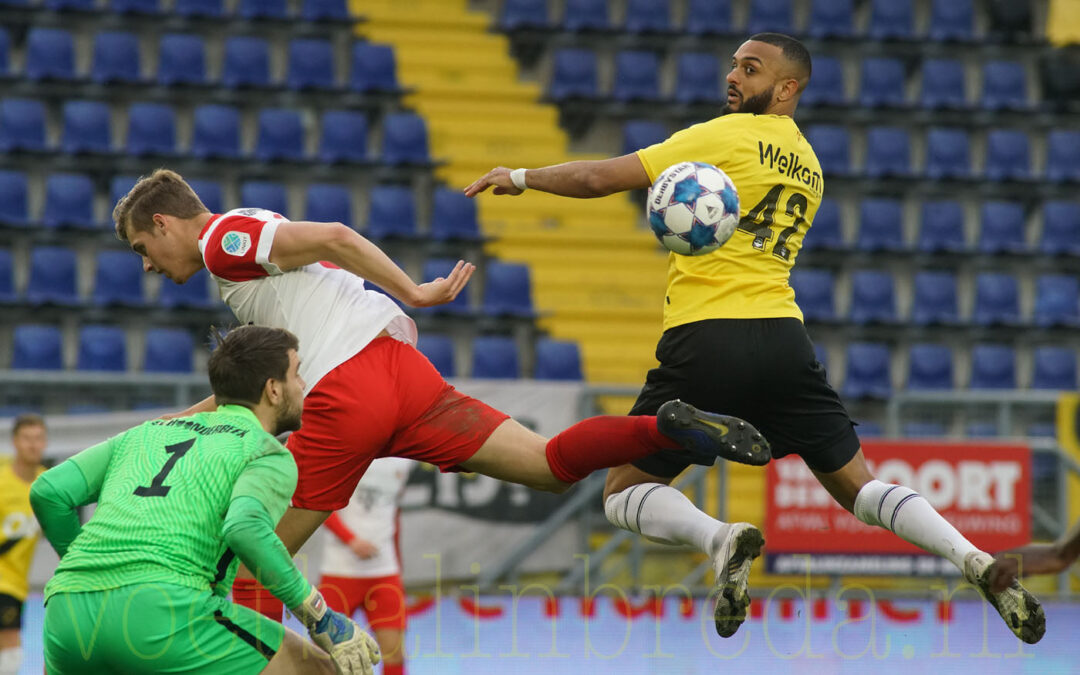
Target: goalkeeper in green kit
pixel 141 587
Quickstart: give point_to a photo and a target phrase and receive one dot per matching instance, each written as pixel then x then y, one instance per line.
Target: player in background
pixel 141 587
pixel 739 297
pixel 369 392
pixel 1036 559
pixel 18 532
pixel 361 563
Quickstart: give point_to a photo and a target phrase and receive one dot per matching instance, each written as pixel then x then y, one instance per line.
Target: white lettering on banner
pixel 980 486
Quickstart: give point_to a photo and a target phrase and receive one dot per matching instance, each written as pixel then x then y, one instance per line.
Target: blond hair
pixel 163 191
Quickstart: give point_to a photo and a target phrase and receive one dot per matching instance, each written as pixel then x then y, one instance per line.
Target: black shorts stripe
pixel 244 635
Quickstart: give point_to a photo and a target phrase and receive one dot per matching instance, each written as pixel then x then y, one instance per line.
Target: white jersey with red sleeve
pixel 325 307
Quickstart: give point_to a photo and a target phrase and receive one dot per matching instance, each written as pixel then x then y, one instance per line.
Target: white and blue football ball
pixel 693 208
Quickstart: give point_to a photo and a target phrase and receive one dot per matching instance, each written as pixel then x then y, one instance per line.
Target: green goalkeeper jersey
pixel 163 489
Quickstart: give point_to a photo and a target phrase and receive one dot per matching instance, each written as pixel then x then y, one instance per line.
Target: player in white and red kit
pixel 361 563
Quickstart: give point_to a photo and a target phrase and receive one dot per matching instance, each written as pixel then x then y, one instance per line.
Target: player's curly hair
pixel 244 359
pixel 163 191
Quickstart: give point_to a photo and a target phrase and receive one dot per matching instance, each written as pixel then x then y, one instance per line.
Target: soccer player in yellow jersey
pixel 18 533
pixel 734 338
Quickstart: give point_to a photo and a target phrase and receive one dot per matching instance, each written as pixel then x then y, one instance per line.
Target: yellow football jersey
pixel 779 182
pixel 19 532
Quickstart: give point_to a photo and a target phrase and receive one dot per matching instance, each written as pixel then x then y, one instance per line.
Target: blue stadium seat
pixel 888 152
pixel 280 136
pixel 405 139
pixel 328 203
pixel 697 78
pixel 7 277
pixel 102 348
pixel 53 277
pixel 867 371
pixel 573 74
pixel 708 17
pixel 880 225
pixel 952 20
pixel 922 430
pixel 116 58
pixel 827 84
pixel 264 194
pixel 770 16
pixel 119 186
pixel 941 227
pixel 647 16
pixel 881 83
pixel 826 233
pixel 1004 86
pixel 5 52
pixel 50 54
pixel 831 19
pixel 311 64
pixel 118 280
pixel 14 209
pixel 86 128
pixel 439 349
pixel 215 132
pixel 71 5
pixel 832 143
pixel 192 294
pixel 1063 155
pixel 391 212
pixel 22 125
pixel 524 14
pixel 151 129
pixel 638 134
pixel 135 6
pixel 453 216
pixel 246 62
pixel 943 84
pixel 870 430
pixel 69 201
pixel 1057 301
pixel 1054 368
pixel 1008 155
pixel 558 360
pixel 586 15
pixel 1061 228
pixel 181 59
pixel 507 290
pixel 200 8
pixel 374 68
pixel 814 293
pixel 441 267
pixel 930 366
pixel 495 357
pixel 873 297
pixel 37 347
pixel 1002 228
pixel 821 354
pixel 1042 430
pixel 934 299
pixel 948 153
pixel 209 192
pixel 637 76
pixel 993 366
pixel 891 20
pixel 997 299
pixel 168 350
pixel 324 10
pixel 343 137
pixel 263 9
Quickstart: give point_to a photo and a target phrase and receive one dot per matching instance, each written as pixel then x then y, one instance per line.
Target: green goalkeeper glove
pixel 353 651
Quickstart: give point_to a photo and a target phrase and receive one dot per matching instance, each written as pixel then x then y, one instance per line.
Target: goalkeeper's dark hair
pixel 794 51
pixel 244 359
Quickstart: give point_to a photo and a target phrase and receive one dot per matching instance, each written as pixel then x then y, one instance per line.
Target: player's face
pixel 29 443
pixel 292 403
pixel 161 252
pixel 752 81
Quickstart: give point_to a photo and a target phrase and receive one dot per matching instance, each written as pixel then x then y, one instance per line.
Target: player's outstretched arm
pixel 1036 559
pixel 582 179
pixel 58 493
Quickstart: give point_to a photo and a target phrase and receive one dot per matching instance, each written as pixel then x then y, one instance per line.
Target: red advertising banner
pixel 984 490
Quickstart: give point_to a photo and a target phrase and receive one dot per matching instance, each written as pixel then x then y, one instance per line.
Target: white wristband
pixel 517 177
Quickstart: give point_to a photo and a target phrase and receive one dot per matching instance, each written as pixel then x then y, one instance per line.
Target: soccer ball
pixel 693 208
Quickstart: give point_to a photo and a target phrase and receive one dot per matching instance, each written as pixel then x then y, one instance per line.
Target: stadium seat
pixel 14 209
pixel 586 15
pixel 881 83
pixel 558 360
pixel 888 152
pixel 880 225
pixel 821 354
pixel 637 76
pixel 53 277
pixel 832 143
pixel 951 20
pixel 168 350
pixel 573 74
pixel 118 280
pixel 343 137
pixel 264 194
pixel 1039 469
pixel 647 16
pixel 280 136
pixel 50 54
pixel 930 366
pixel 441 267
pixel 263 9
pixel 5 53
pixel 831 19
pixel 86 128
pixel 181 59
pixel 1057 301
pixel 891 20
pixel 1008 19
pixel 246 62
pixel 1008 155
pixel 151 129
pixel 708 17
pixel 391 212
pixel 116 58
pixel 453 216
pixel 922 430
pixel 948 153
pixel 1054 368
pixel 135 6
pixel 495 357
pixel 867 371
pixel 102 348
pixel 981 429
pixel 826 233
pixel 439 349
pixel 215 132
pixel 1061 228
pixel 770 16
pixel 405 139
pixel 71 5
pixel 374 68
pixel 311 64
pixel 814 293
pixel 327 203
pixel 943 85
pixel 324 10
pixel 993 366
pixel 638 134
pixel 192 294
pixel 37 347
pixel 69 201
pixel 870 429
pixel 524 14
pixel 934 299
pixel 941 227
pixel 1002 227
pixel 873 297
pixel 827 85
pixel 22 125
pixel 7 277
pixel 209 192
pixel 1004 86
pixel 997 299
pixel 507 290
pixel 119 186
pixel 200 8
pixel 697 78
pixel 1063 155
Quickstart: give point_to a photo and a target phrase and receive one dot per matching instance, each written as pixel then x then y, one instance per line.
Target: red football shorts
pixel 381 598
pixel 387 400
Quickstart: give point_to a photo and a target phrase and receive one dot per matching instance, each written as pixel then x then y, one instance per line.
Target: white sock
pixel 10 660
pixel 662 514
pixel 907 514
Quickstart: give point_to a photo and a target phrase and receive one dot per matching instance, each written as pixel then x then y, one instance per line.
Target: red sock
pixel 393 668
pixel 251 594
pixel 603 442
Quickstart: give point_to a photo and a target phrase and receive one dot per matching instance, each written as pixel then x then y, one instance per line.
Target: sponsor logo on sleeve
pixel 236 243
